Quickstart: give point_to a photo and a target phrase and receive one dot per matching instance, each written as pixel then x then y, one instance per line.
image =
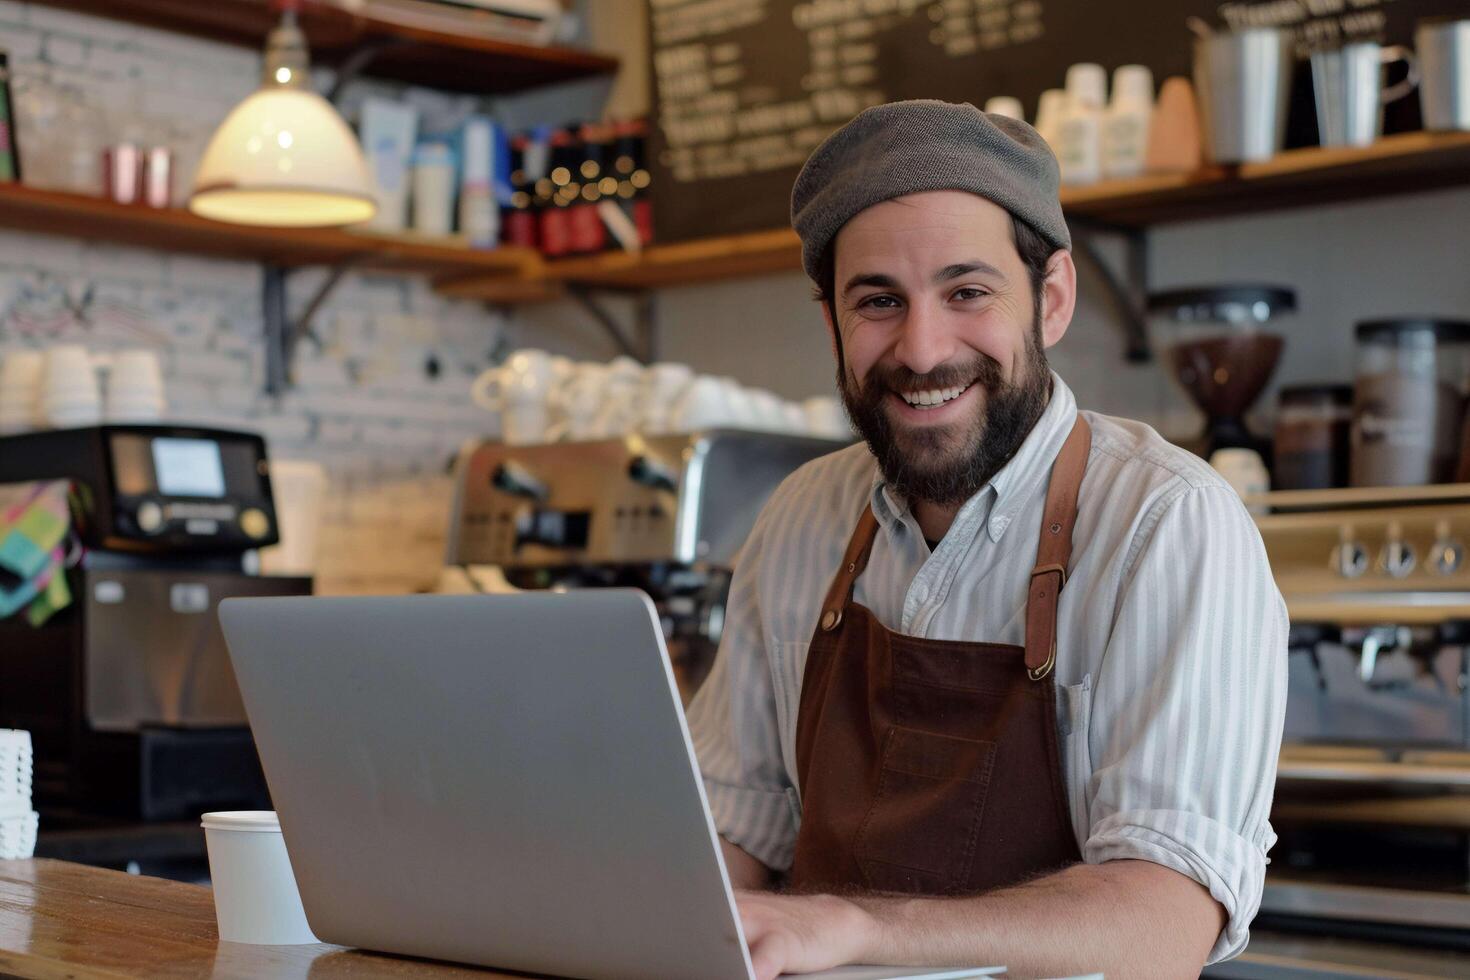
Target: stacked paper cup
pixel 135 387
pixel 20 386
pixel 70 396
pixel 17 819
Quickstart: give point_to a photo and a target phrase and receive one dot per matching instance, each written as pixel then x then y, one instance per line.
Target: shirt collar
pixel 1016 482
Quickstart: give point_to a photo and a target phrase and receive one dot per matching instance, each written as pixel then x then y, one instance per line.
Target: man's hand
pixel 801 933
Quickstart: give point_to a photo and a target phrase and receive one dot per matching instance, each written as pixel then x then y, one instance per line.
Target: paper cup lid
pixel 253 821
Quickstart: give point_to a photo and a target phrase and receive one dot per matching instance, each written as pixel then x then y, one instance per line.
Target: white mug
pixel 704 404
pixel 581 401
pixel 526 376
pixel 743 411
pixel 663 383
pixel 525 424
pixel 767 411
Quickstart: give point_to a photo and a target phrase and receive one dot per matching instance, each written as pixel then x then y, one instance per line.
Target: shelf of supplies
pixel 437 58
pixel 25 208
pixel 1398 164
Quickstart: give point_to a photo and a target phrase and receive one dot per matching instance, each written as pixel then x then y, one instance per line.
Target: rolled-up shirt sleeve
pixel 1188 706
pixel 733 723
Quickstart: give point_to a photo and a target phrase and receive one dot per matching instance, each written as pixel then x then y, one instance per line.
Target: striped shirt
pixel 1171 646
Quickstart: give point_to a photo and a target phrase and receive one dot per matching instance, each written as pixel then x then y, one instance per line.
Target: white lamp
pixel 284 157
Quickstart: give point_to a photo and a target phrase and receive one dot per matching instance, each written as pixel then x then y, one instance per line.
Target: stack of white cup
pixel 135 387
pixel 58 388
pixel 543 398
pixel 20 385
pixel 70 395
pixel 17 818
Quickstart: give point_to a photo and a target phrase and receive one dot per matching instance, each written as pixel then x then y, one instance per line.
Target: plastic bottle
pixel 1080 154
pixel 1126 122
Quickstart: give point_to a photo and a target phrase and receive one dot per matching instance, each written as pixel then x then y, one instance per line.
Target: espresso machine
pixel 667 514
pixel 128 692
pixel 1372 803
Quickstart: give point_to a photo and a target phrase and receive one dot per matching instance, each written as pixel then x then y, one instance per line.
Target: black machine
pixel 128 693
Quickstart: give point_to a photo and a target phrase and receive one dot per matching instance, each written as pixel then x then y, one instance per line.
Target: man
pixel 1028 712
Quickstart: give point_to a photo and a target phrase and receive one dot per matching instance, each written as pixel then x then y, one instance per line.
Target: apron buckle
pixel 1038 673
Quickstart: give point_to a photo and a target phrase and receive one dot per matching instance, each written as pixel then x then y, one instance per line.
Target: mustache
pixel 980 369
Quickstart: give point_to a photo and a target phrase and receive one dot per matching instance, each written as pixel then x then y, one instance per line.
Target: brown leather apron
pixel 931 766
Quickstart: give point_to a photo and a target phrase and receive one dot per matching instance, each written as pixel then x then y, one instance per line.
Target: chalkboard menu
pixel 745 89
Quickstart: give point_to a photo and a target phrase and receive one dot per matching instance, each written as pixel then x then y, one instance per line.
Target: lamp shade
pixel 283 157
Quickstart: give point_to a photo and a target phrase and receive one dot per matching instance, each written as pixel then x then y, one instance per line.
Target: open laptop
pixel 504 780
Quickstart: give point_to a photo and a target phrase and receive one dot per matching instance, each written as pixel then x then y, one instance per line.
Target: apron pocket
pixel 920 832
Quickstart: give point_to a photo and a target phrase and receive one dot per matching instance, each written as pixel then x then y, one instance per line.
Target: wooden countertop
pixel 63 921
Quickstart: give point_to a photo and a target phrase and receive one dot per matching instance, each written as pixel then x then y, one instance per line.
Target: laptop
pixel 502 780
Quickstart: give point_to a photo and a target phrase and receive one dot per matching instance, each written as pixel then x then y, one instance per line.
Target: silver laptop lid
pixel 499 780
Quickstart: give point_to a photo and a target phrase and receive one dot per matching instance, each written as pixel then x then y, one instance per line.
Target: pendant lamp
pixel 284 157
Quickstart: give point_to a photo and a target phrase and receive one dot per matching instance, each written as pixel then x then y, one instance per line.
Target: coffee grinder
pixel 1223 354
pixel 128 692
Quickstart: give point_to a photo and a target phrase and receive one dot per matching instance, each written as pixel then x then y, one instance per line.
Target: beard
pixel 949 464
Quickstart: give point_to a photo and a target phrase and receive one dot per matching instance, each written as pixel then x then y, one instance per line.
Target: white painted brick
pixel 40 251
pixel 117 61
pixel 209 366
pixel 114 262
pixel 199 273
pixel 315 371
pixel 23 45
pixel 67 51
pixel 338 431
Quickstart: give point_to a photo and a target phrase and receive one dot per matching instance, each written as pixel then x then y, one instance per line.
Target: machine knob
pixel 1447 554
pixel 653 474
pixel 254 522
pixel 1398 557
pixel 150 517
pixel 1350 559
pixel 518 481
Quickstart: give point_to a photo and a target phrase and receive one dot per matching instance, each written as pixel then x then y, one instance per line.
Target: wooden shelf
pixel 1405 163
pixel 1394 165
pixel 436 59
pixel 176 230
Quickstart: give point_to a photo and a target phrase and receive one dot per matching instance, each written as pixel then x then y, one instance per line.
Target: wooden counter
pixel 62 921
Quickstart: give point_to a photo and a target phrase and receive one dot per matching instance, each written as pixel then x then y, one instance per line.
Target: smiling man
pixel 1005 684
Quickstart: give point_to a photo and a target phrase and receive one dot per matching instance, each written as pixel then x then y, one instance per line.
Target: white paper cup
pixel 255 896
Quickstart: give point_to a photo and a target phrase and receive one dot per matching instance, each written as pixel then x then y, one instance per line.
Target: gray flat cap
pixel 925 145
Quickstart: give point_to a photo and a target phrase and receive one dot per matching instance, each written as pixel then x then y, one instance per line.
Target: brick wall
pixel 382 403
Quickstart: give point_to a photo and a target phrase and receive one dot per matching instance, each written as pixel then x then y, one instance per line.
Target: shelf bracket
pixel 642 346
pixel 282 334
pixel 1129 293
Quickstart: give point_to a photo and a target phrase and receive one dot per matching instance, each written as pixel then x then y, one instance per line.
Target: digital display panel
pixel 188 467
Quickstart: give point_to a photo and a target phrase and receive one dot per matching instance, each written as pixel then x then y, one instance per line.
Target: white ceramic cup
pixel 704 404
pixel 622 402
pixel 581 401
pixel 525 424
pixel 526 376
pixel 743 412
pixel 255 896
pixel 663 383
pixel 767 411
pixel 135 387
pixel 20 390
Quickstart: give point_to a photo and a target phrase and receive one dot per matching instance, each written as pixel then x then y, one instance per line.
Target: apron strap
pixel 854 560
pixel 1055 550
